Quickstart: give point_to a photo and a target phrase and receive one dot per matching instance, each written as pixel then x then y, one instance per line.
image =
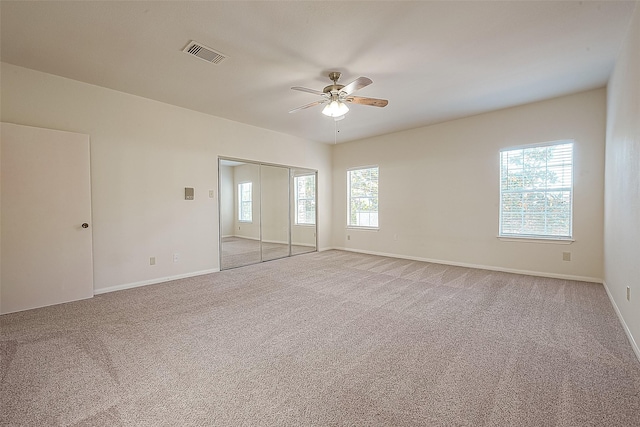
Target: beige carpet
pixel 238 251
pixel 329 338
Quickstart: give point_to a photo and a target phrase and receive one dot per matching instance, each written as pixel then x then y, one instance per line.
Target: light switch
pixel 188 193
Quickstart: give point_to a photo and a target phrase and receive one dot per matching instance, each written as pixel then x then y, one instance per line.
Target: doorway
pixel 46 218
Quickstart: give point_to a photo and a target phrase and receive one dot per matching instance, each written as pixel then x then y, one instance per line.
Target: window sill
pixel 355 227
pixel 305 225
pixel 550 240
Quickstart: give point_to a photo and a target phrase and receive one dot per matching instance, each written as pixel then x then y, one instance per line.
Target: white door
pixel 46 251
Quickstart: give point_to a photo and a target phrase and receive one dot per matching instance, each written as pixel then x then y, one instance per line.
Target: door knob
pixel 85 225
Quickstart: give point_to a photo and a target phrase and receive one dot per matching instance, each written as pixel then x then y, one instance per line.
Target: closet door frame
pixel 290 190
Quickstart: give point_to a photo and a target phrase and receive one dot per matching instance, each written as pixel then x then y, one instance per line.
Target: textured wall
pixel 622 189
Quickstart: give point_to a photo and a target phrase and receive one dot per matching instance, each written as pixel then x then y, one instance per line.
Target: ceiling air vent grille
pixel 205 53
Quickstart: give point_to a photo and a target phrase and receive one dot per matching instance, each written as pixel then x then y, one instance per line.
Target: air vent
pixel 205 53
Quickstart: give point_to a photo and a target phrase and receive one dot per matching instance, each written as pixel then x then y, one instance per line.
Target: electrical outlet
pixel 348 237
pixel 152 260
pixel 176 257
pixel 628 293
pixel 566 256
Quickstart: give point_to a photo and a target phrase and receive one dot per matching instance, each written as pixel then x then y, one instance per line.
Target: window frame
pixel 297 200
pixel 349 197
pixel 533 236
pixel 241 201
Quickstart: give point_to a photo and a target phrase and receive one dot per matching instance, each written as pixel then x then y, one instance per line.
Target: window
pixel 536 189
pixel 245 205
pixel 363 197
pixel 305 188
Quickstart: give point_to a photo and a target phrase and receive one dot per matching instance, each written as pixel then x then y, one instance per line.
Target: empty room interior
pixel 320 213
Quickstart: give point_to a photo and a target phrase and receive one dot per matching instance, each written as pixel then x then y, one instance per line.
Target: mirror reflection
pixel 303 207
pixel 275 212
pixel 239 213
pixel 266 212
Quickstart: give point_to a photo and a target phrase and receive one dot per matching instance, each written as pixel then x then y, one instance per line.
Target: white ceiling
pixel 433 61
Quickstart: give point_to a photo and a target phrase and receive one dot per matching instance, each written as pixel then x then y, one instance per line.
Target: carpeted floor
pixel 329 338
pixel 238 251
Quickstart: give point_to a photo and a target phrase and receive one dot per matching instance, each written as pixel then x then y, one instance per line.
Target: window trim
pixel 361 227
pixel 295 184
pixel 240 200
pixel 535 238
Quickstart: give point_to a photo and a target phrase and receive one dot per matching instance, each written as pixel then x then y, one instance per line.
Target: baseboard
pixel 245 237
pixel 280 242
pixel 153 281
pixel 627 331
pixel 277 242
pixel 478 266
pixel 306 245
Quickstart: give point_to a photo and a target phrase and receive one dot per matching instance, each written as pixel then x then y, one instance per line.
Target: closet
pixel 266 211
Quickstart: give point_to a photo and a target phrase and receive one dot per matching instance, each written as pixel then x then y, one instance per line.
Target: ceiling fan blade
pixel 367 101
pixel 313 104
pixel 306 89
pixel 355 85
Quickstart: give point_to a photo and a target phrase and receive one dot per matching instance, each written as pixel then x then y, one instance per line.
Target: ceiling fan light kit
pixel 335 96
pixel 335 109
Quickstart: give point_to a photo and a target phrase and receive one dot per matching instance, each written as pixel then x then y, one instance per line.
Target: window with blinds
pixel 536 191
pixel 363 197
pixel 305 188
pixel 245 203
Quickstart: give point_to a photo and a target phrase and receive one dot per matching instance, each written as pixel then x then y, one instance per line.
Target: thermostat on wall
pixel 188 193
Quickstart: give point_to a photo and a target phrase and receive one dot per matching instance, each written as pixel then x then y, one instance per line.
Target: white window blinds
pixel 245 204
pixel 536 191
pixel 305 188
pixel 363 197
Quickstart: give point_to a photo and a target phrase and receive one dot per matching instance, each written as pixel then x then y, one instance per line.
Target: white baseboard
pixel 303 244
pixel 153 281
pixel 481 267
pixel 277 242
pixel 244 237
pixel 632 341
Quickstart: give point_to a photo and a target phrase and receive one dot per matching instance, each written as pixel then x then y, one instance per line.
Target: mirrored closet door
pixel 303 210
pixel 266 211
pixel 239 204
pixel 275 212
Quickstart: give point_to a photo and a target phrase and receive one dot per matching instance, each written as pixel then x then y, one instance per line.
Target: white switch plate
pixel 211 194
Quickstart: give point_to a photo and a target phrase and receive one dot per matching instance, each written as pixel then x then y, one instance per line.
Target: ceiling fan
pixel 336 96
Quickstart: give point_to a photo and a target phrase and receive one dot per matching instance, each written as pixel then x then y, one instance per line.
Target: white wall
pixel 143 154
pixel 622 178
pixel 439 188
pixel 227 204
pixel 274 187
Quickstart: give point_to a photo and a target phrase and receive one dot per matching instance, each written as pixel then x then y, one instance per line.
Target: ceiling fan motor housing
pixel 332 88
